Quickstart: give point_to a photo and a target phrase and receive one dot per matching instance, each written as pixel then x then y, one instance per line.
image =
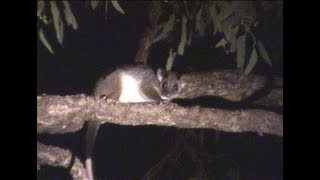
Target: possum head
pixel 169 84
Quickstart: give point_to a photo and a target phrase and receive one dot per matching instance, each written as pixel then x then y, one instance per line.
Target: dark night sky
pixel 98 46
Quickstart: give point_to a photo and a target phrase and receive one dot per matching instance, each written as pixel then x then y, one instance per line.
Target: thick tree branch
pixel 229 84
pixel 57 114
pixel 55 156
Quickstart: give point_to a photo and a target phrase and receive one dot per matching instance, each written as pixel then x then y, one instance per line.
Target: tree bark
pixel 58 114
pixel 55 156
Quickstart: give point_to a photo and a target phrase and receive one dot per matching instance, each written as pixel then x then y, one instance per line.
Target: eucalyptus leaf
pixel 233 39
pixel 40 8
pixel 71 20
pixel 198 19
pixel 106 8
pixel 94 4
pixel 222 43
pixel 45 41
pixel 166 29
pixel 117 6
pixel 183 39
pixel 241 50
pixel 215 18
pixel 190 38
pixel 233 46
pixel 170 60
pixel 252 61
pixel 57 21
pixel 263 52
pixel 225 11
pixel 202 27
pixel 62 31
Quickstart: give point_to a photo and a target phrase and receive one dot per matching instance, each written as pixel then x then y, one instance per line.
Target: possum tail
pixel 92 131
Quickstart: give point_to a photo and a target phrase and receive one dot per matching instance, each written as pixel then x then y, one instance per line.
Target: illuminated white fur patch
pixel 89 168
pixel 131 90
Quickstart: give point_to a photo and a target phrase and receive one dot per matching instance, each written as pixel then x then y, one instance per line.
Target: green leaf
pixel 262 50
pixel 117 6
pixel 222 43
pixel 45 41
pixel 241 50
pixel 198 19
pixel 252 61
pixel 225 11
pixel 215 18
pixel 40 8
pixel 58 25
pixel 106 9
pixel 233 39
pixel 94 4
pixel 183 39
pixel 71 20
pixel 190 38
pixel 166 30
pixel 170 60
pixel 202 27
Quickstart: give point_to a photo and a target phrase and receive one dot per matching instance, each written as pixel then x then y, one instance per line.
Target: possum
pixel 134 84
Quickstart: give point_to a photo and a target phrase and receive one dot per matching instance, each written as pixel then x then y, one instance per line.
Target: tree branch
pixel 57 114
pixel 229 84
pixel 153 26
pixel 55 156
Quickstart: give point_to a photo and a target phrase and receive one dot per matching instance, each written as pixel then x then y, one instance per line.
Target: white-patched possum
pixel 133 84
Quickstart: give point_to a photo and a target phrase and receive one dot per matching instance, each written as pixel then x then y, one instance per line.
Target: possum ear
pixel 161 74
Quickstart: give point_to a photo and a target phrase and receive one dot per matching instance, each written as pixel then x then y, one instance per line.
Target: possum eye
pixel 164 85
pixel 176 87
pixel 104 97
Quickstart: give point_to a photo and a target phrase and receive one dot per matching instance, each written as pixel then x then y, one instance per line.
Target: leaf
pixel 252 61
pixel 44 41
pixel 167 28
pixel 233 46
pixel 61 30
pixel 225 11
pixel 170 60
pixel 198 19
pixel 40 8
pixel 106 9
pixel 233 39
pixel 183 39
pixel 94 4
pixel 57 21
pixel 71 20
pixel 117 6
pixel 215 18
pixel 190 38
pixel 202 27
pixel 200 24
pixel 241 50
pixel 222 43
pixel 263 53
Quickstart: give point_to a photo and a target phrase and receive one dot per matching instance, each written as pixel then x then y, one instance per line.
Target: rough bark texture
pixel 228 84
pixel 57 114
pixel 55 156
